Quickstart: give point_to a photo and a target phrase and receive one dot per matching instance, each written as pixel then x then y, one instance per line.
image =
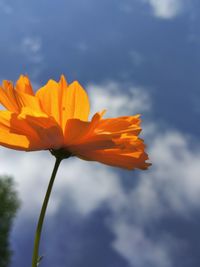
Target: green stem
pixel 36 258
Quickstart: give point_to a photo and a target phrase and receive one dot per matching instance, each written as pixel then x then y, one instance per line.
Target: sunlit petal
pixel 116 139
pixel 27 132
pixel 64 102
pixel 116 158
pixel 75 102
pixel 23 85
pixel 48 131
pixel 77 131
pixel 56 118
pixel 14 100
pixel 50 99
pixel 7 97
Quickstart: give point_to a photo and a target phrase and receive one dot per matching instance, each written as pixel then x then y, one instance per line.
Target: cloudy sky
pixel 132 56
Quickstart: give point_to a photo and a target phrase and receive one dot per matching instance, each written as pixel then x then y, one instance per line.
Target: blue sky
pixel 132 56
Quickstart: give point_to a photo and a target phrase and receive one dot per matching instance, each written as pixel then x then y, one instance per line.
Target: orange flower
pixel 56 118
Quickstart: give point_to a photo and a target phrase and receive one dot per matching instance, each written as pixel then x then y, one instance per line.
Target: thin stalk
pixel 36 259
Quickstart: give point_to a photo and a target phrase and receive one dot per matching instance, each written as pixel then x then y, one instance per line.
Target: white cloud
pixel 171 186
pixel 139 249
pixel 118 99
pixel 26 169
pixel 31 47
pixel 32 44
pixel 174 178
pixel 74 181
pixel 85 191
pixel 166 9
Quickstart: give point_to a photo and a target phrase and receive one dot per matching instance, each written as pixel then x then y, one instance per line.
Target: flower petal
pixel 116 158
pixel 27 132
pixel 113 142
pixel 14 133
pixel 64 102
pixel 14 141
pixel 27 100
pixel 7 96
pixel 120 125
pixel 14 100
pixel 75 102
pixel 49 133
pixel 77 131
pixel 23 85
pixel 50 99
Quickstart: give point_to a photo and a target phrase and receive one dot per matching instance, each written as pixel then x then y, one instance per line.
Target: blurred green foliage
pixel 9 203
